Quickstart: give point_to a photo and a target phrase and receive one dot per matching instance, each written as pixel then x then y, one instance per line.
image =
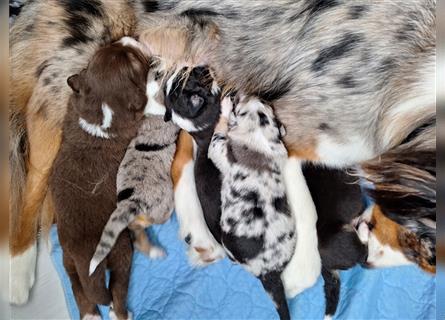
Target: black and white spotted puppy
pixel 258 229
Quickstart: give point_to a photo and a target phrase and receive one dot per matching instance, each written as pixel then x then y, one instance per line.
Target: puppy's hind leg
pixel 274 287
pixel 87 309
pixel 331 291
pixel 119 262
pixel 141 241
pixel 304 268
pixel 203 248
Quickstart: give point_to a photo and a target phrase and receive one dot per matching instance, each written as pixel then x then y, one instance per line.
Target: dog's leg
pixel 44 142
pixel 119 262
pixel 141 241
pixel 203 248
pixel 218 145
pixel 304 268
pixel 331 291
pixel 88 310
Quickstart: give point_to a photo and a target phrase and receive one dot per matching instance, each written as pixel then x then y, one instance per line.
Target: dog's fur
pixel 110 90
pixel 195 108
pixel 348 80
pixel 258 227
pixel 202 249
pixel 144 184
pixel 339 200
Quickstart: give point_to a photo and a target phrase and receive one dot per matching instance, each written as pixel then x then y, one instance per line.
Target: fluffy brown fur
pixel 83 181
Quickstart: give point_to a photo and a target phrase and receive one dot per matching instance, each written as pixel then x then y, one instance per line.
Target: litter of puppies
pixel 237 179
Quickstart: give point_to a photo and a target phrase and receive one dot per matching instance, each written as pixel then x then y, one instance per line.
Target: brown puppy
pixel 103 115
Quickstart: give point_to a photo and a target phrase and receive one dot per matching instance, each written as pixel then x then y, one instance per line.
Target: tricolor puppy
pixel 104 112
pixel 258 227
pixel 403 224
pixel 144 184
pixel 194 102
pixel 392 244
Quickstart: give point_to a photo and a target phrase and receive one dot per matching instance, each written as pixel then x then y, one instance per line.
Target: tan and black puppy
pixel 104 113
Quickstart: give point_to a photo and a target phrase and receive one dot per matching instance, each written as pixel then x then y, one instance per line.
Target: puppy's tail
pixel 18 155
pixel 331 291
pixel 274 287
pixel 118 221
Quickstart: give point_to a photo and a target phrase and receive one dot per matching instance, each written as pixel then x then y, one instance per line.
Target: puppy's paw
pixel 113 316
pixel 157 253
pixel 363 232
pixel 90 316
pixel 226 107
pixel 22 275
pixel 301 273
pixel 203 251
pixel 201 256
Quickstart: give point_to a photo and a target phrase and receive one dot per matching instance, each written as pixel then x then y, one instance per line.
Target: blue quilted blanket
pixel 171 289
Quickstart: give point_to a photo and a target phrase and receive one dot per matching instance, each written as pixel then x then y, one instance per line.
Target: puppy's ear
pixel 137 102
pixel 74 82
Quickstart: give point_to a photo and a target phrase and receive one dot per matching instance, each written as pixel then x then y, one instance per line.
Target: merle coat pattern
pixel 144 187
pixel 349 79
pixel 258 228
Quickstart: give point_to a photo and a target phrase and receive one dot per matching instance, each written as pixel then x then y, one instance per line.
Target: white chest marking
pixel 99 130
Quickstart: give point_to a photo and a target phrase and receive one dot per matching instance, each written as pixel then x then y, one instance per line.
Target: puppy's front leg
pixel 305 266
pixel 218 145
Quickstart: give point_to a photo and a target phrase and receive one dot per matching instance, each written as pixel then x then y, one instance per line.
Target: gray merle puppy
pixel 258 229
pixel 144 184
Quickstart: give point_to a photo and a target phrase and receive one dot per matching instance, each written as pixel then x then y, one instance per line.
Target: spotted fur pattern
pixel 144 183
pixel 258 229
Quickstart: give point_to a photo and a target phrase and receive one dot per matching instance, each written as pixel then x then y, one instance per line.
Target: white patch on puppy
pixel 185 124
pixel 304 268
pixel 22 275
pixel 96 316
pixel 153 106
pixel 96 130
pixel 157 253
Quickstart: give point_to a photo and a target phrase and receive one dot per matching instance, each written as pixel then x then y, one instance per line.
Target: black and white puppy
pixel 339 202
pixel 195 107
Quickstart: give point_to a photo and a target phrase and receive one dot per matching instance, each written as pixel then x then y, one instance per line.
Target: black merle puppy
pixel 338 199
pixel 195 107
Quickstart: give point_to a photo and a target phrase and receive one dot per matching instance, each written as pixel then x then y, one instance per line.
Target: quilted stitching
pixel 171 289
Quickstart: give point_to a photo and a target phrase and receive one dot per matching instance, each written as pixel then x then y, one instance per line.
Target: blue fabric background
pixel 172 289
